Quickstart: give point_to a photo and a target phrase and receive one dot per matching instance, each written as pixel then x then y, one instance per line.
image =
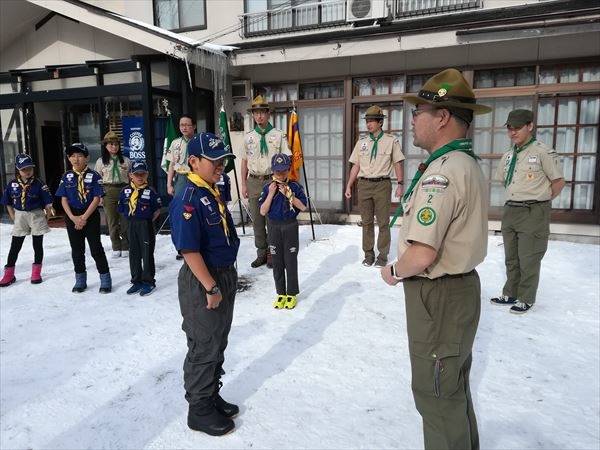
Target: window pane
pixel 584 196
pixel 588 140
pixel 591 73
pixel 585 168
pixel 565 140
pixel 548 75
pixel 590 110
pixel 567 111
pixel 191 14
pixel 563 200
pixel 167 13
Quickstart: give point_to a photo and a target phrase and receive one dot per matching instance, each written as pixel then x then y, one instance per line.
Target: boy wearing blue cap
pixel 140 204
pixel 203 231
pixel 81 191
pixel 26 199
pixel 281 201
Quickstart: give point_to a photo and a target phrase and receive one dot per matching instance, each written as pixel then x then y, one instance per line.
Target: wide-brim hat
pixel 111 136
pixel 519 117
pixel 447 89
pixel 259 102
pixel 77 147
pixel 23 161
pixel 209 146
pixel 374 112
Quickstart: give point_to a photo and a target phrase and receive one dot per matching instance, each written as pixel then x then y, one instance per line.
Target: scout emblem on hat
pixel 259 102
pixel 23 161
pixel 374 112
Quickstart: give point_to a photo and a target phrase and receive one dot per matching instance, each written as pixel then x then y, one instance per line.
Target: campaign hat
pixel 111 136
pixel 209 146
pixel 259 102
pixel 374 112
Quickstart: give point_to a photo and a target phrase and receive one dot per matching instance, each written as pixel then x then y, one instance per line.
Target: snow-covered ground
pixel 90 371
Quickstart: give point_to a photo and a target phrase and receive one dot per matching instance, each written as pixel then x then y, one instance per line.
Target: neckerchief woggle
pixel 264 149
pixel 198 181
pixel 80 185
pixel 134 196
pixel 463 145
pixel 25 185
pixel 288 192
pixel 374 149
pixel 513 161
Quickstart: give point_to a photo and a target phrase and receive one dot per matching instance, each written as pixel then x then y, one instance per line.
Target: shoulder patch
pixel 435 182
pixel 426 216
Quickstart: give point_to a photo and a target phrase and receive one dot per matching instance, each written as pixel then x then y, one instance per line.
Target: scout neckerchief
pixel 287 191
pixel 116 173
pixel 198 181
pixel 513 161
pixel 463 145
pixel 181 159
pixel 134 196
pixel 80 185
pixel 264 150
pixel 374 149
pixel 25 185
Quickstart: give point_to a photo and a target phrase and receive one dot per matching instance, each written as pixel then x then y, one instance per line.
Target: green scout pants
pixel 116 223
pixel 259 224
pixel 374 200
pixel 442 317
pixel 525 231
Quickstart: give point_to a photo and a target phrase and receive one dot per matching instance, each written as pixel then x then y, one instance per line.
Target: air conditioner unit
pixel 365 10
pixel 240 89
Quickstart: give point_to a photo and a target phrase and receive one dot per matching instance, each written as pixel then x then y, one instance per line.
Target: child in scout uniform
pixel 29 204
pixel 81 191
pixel 281 201
pixel 140 204
pixel 203 231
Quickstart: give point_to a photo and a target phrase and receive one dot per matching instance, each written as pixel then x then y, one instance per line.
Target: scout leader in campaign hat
pixel 111 136
pixel 259 102
pixel 449 90
pixel 375 112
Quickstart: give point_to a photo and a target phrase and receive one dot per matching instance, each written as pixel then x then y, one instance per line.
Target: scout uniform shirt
pixel 178 153
pixel 258 164
pixel 27 195
pixel 381 164
pixel 110 175
pixel 537 165
pixel 281 207
pixel 145 203
pixel 447 210
pixel 196 225
pixel 69 187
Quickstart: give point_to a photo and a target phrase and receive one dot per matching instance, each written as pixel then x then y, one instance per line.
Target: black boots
pixel 205 417
pixel 226 409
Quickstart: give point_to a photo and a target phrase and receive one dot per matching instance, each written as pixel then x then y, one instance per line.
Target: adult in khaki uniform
pixel 373 158
pixel 532 175
pixel 177 155
pixel 442 239
pixel 260 144
pixel 113 167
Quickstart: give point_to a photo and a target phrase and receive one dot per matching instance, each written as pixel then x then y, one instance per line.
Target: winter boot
pixel 204 417
pixel 36 273
pixel 225 408
pixel 105 283
pixel 9 276
pixel 80 282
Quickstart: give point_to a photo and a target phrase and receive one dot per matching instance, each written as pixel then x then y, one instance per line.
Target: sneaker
pixel 520 307
pixel 124 253
pixel 291 301
pixel 503 300
pixel 279 301
pixel 135 288
pixel 116 254
pixel 380 262
pixel 259 261
pixel 368 261
pixel 147 289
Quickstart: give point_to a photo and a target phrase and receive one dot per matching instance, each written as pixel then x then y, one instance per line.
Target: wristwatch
pixel 215 290
pixel 393 270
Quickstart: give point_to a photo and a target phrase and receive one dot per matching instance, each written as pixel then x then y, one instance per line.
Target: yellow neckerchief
pixel 198 181
pixel 134 196
pixel 80 185
pixel 287 191
pixel 25 185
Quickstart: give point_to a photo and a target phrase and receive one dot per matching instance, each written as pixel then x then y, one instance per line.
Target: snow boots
pixel 225 408
pixel 204 416
pixel 36 273
pixel 80 282
pixel 105 283
pixel 9 276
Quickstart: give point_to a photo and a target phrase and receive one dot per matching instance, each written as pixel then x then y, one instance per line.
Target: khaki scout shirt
pixel 537 166
pixel 447 210
pixel 106 171
pixel 258 164
pixel 388 154
pixel 178 151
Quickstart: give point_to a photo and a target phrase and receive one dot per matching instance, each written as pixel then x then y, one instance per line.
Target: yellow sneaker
pixel 279 301
pixel 291 301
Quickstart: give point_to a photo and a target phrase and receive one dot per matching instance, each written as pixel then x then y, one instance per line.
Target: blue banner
pixel 133 137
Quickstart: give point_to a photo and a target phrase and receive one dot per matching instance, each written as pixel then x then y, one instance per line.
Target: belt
pixel 448 275
pixel 525 203
pixel 260 177
pixel 373 180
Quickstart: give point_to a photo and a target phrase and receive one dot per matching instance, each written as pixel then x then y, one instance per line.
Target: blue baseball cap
pixel 139 167
pixel 209 146
pixel 280 161
pixel 77 147
pixel 23 161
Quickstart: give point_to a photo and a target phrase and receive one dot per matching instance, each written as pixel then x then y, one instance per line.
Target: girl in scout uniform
pixel 80 190
pixel 281 201
pixel 203 231
pixel 140 204
pixel 29 204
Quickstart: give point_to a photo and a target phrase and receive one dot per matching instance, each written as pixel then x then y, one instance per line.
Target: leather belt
pixel 525 203
pixel 260 177
pixel 448 275
pixel 373 180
